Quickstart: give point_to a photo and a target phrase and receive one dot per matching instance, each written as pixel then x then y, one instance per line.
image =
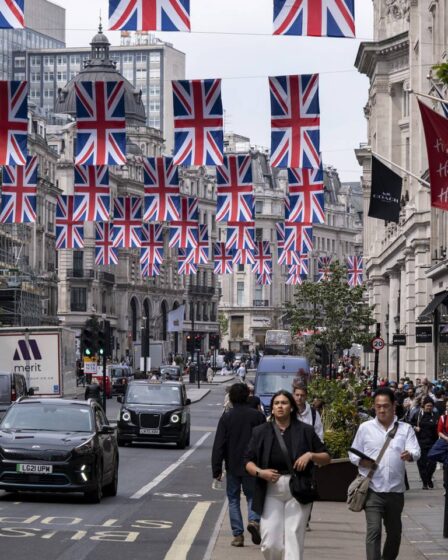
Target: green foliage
pixel 441 71
pixel 223 322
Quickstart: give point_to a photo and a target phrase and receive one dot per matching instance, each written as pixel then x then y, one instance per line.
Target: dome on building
pixel 100 68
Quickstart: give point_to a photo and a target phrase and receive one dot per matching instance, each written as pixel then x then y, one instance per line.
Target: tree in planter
pixel 223 323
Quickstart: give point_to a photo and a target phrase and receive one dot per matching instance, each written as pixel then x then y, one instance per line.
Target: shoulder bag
pixel 303 488
pixel 357 491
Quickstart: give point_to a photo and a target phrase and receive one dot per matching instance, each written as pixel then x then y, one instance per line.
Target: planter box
pixel 334 480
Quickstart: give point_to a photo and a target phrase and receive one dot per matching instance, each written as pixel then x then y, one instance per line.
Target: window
pixel 35 61
pixel 75 59
pixel 154 57
pixel 48 76
pixel 128 58
pixel 258 234
pixel 154 90
pixel 239 293
pixel 48 60
pixel 78 260
pixel 35 76
pixel 20 62
pixel 48 93
pixel 154 72
pixel 62 76
pixel 154 106
pixel 140 57
pixel 258 207
pixel 61 60
pixel 78 299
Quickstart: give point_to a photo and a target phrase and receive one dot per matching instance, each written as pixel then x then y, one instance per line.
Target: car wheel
pixel 94 496
pixel 182 443
pixel 187 442
pixel 112 488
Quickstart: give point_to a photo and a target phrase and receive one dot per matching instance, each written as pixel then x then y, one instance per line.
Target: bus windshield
pixel 270 383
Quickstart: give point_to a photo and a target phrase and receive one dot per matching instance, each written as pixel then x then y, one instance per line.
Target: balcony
pixel 260 303
pixel 80 273
pixel 201 290
pixel 107 277
pixel 78 306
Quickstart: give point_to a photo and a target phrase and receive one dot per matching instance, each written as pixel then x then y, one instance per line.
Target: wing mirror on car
pixel 119 399
pixel 188 401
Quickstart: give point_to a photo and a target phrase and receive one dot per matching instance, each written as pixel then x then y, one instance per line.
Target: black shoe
pixel 431 484
pixel 254 529
pixel 425 487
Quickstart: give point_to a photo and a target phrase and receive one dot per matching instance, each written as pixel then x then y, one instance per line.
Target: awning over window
pixel 438 299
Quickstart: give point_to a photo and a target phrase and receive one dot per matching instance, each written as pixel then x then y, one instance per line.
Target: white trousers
pixel 283 523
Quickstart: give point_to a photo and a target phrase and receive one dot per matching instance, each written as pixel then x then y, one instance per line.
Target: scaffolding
pixel 20 307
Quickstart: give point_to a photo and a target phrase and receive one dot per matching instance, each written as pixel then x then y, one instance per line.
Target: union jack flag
pixel 105 254
pixel 300 268
pixel 295 121
pixel 355 271
pixel 162 195
pixel 199 255
pixel 323 268
pixel 184 232
pixel 149 15
pixel 306 196
pixel 19 193
pixel 240 235
pixel 92 193
pixel 298 237
pixel 243 256
pixel 127 230
pixel 13 123
pixel 285 257
pixel 69 234
pixel 152 244
pixel 235 200
pixel 101 123
pixel 222 258
pixel 198 122
pixel 184 264
pixel 264 279
pixel 149 269
pixel 12 14
pixel 315 18
pixel 263 258
pixel 294 279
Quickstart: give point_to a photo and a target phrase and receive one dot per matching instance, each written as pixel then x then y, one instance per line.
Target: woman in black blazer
pixel 283 518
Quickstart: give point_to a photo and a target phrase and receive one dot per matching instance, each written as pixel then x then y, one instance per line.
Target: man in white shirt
pixel 306 413
pixel 385 499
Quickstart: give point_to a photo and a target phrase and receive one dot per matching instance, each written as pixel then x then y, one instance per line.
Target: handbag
pixel 357 491
pixel 303 488
pixel 439 451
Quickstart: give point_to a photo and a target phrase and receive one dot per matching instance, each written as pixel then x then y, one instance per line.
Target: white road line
pixel 158 479
pixel 212 542
pixel 185 538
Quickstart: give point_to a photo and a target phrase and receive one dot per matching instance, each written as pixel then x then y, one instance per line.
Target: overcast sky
pixel 232 40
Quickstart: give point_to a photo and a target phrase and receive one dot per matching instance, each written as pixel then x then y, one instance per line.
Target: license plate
pixel 39 469
pixel 150 431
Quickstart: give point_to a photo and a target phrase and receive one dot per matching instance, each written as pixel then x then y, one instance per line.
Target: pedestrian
pixel 253 400
pixel 232 436
pixel 241 372
pixel 209 373
pixel 93 391
pixel 385 498
pixel 425 425
pixel 442 430
pixel 283 518
pixel 305 412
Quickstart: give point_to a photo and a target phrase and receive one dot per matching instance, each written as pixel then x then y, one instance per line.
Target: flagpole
pixel 419 179
pixel 433 97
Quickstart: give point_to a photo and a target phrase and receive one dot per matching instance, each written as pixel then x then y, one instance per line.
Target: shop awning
pixel 438 299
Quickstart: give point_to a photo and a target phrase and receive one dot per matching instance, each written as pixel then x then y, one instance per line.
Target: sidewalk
pixel 339 534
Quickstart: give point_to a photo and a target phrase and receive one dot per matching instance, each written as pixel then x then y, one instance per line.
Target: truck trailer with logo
pixel 44 355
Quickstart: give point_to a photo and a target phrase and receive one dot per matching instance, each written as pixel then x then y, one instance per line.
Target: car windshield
pixel 153 394
pixel 117 372
pixel 48 417
pixel 272 382
pixel 170 370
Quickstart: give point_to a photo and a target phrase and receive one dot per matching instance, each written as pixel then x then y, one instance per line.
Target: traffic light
pixel 101 342
pixel 319 352
pixel 189 344
pixel 87 342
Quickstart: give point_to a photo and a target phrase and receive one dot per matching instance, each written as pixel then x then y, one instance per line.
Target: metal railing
pixel 260 303
pixel 80 273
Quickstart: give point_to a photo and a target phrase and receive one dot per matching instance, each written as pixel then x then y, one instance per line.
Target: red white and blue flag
pixel 13 123
pixel 222 259
pixel 324 268
pixel 240 235
pixel 149 270
pixel 294 279
pixel 12 14
pixel 149 15
pixel 162 195
pixel 198 122
pixel 19 193
pixel 300 268
pixel 105 253
pixel 101 123
pixel 264 279
pixel 199 255
pixel 263 258
pixel 243 256
pixel 295 121
pixel 127 231
pixel 355 271
pixel 152 244
pixel 306 196
pixel 184 233
pixel 298 237
pixel 92 193
pixel 69 233
pixel 235 200
pixel 184 264
pixel 284 257
pixel 315 18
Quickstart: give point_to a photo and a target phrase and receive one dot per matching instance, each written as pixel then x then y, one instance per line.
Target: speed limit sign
pixel 377 343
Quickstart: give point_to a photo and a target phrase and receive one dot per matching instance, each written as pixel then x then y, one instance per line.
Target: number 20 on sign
pixel 377 343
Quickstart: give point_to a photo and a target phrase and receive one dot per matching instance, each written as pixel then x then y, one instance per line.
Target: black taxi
pixel 154 411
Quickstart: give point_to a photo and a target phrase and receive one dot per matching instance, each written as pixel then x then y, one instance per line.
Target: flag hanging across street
pixel 149 270
pixel 127 230
pixel 300 268
pixel 92 193
pixel 243 256
pixel 264 279
pixel 101 124
pixel 235 200
pixel 436 135
pixel 323 268
pixel 176 319
pixel 69 234
pixel 199 254
pixel 306 196
pixel 240 235
pixel 385 192
pixel 13 123
pixel 263 258
pixel 184 233
pixel 298 237
pixel 198 122
pixel 315 18
pixel 295 121
pixel 355 271
pixel 152 243
pixel 105 253
pixel 294 279
pixel 19 192
pixel 184 264
pixel 222 258
pixel 162 195
pixel 149 15
pixel 284 257
pixel 12 14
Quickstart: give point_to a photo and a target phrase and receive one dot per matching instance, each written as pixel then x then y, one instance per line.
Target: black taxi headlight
pixel 175 418
pixel 126 416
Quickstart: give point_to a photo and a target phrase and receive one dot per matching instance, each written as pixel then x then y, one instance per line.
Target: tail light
pixel 13 394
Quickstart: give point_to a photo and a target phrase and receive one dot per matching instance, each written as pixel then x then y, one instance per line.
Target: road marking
pixel 211 543
pixel 184 540
pixel 158 479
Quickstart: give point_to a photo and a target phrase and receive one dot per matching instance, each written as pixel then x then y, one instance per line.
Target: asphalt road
pixel 166 508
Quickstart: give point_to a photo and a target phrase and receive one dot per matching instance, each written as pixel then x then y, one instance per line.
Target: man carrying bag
pixel 391 443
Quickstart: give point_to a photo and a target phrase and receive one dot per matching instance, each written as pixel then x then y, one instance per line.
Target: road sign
pixel 399 340
pixel 90 367
pixel 377 343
